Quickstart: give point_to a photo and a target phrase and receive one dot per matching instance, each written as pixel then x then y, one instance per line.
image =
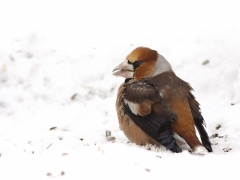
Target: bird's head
pixel 141 63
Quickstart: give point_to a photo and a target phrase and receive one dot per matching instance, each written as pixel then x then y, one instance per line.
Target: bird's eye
pixel 136 64
pixel 139 62
pixel 129 62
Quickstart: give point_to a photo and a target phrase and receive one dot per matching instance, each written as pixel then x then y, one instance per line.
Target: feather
pixel 157 127
pixel 199 122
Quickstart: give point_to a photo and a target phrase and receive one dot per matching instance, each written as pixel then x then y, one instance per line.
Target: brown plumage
pixel 153 103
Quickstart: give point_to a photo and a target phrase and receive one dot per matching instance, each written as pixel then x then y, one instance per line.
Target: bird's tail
pixel 203 134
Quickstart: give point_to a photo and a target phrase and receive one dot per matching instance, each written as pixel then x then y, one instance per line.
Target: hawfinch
pixel 153 104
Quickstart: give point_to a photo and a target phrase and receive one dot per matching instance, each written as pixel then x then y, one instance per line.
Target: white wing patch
pixel 133 107
pixel 161 94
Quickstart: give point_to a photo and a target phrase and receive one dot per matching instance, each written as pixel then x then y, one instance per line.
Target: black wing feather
pixel 159 128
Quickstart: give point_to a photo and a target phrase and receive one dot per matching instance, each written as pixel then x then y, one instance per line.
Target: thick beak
pixel 124 69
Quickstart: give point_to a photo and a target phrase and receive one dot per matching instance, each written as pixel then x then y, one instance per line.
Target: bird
pixel 154 106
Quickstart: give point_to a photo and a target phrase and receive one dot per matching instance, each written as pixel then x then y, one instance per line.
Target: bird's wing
pixel 199 122
pixel 147 109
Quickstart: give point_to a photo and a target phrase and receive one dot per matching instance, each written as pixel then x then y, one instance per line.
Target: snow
pixel 57 92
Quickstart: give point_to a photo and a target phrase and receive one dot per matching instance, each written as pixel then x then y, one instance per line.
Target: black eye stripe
pixel 136 64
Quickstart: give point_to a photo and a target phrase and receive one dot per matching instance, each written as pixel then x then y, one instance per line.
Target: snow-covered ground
pixel 57 92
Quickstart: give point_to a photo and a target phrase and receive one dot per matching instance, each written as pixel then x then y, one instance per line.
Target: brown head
pixel 141 63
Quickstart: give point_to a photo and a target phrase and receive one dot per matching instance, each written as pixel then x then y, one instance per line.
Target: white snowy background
pixel 57 92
